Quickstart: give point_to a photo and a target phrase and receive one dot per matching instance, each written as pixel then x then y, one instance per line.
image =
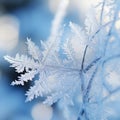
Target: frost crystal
pixel 83 76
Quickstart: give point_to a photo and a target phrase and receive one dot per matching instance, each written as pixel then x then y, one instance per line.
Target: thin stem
pixel 110 31
pixel 108 96
pixel 92 64
pixel 82 69
pixel 82 114
pixel 99 29
pixel 111 93
pixel 90 85
pixel 111 57
pixel 83 59
pixel 107 86
pixel 102 11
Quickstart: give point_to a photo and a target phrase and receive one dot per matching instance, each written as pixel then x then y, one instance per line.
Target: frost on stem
pixel 83 76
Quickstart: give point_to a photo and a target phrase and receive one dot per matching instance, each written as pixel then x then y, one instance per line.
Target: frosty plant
pixel 82 70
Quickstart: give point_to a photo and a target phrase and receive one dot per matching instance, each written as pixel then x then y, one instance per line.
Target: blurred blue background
pixel 20 19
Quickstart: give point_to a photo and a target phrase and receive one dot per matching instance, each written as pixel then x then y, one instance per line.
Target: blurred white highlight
pixel 42 112
pixel 60 14
pixel 82 5
pixel 9 32
pixel 117 24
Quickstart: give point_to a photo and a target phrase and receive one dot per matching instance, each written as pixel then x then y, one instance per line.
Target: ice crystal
pixel 81 76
